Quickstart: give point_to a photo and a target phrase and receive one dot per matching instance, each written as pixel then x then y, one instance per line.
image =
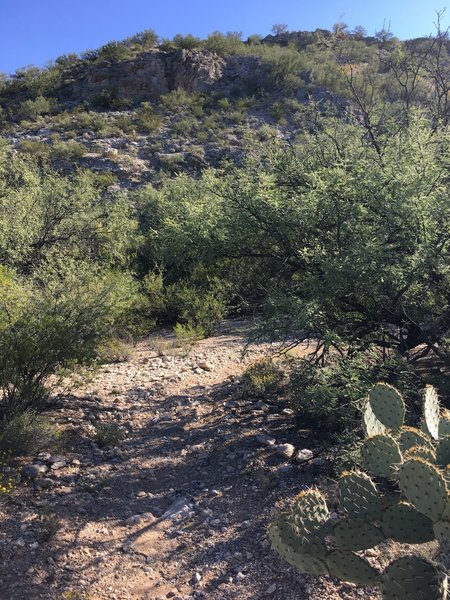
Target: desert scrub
pixel 108 433
pixel 26 433
pixel 114 350
pixel 262 377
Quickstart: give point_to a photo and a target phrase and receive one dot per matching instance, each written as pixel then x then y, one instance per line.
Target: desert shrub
pixel 70 150
pixel 262 377
pixel 186 42
pixel 44 214
pixel 224 44
pixel 144 40
pixel 35 148
pixel 114 52
pixel 114 350
pixel 188 333
pixel 49 324
pixel 49 523
pixel 30 109
pixel 28 433
pixel 180 99
pixel 9 474
pixel 199 307
pixel 328 398
pixel 172 162
pixel 146 119
pixel 108 433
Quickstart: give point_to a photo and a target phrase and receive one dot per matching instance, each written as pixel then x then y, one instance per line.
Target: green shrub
pixel 187 42
pixel 108 433
pixel 180 99
pixel 28 433
pixel 188 333
pixel 114 350
pixel 34 147
pixel 224 44
pixel 31 109
pixel 146 119
pixel 262 377
pixel 49 325
pixel 71 150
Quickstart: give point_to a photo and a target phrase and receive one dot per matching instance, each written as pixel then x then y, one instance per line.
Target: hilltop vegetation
pixel 313 194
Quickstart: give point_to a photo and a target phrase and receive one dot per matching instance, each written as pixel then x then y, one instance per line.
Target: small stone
pixel 304 455
pixel 270 590
pixel 145 517
pixel 197 577
pixel 240 576
pixel 34 470
pixel 285 450
pixel 206 366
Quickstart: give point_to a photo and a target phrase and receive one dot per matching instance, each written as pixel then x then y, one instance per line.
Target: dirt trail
pixel 180 507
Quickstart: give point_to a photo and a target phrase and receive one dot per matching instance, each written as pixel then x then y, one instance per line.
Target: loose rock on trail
pixel 179 508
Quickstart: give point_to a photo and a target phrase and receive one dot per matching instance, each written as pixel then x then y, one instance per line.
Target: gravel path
pixel 179 508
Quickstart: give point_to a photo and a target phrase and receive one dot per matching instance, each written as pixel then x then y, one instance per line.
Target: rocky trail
pixel 179 507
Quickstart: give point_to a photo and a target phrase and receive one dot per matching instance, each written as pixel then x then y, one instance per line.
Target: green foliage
pixel 224 44
pixel 44 215
pixel 28 433
pixel 423 517
pixel 186 42
pixel 49 323
pixel 108 433
pixel 262 377
pixel 30 109
pixel 146 118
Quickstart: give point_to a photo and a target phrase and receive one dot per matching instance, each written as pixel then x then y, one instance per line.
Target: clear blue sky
pixel 35 31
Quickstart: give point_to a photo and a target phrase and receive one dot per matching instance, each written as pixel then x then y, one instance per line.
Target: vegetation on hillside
pixel 338 235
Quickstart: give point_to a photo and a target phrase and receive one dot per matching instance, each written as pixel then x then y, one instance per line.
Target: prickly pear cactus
pixel 358 496
pixel 416 510
pixel 412 577
pixel 387 405
pixel 431 412
pixel 381 455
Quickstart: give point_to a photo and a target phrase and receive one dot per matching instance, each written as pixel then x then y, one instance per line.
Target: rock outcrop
pixel 155 73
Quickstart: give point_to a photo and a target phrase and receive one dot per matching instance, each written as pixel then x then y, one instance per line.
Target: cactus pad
pixel 410 437
pixel 442 530
pixel 444 425
pixel 443 452
pixel 413 578
pixel 403 523
pixel 423 452
pixel 357 534
pixel 431 411
pixel 372 425
pixel 359 496
pixel 310 511
pixel 305 562
pixel 424 486
pixel 380 455
pixel 387 405
pixel 350 567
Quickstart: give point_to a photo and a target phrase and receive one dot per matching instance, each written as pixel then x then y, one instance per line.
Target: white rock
pixel 270 590
pixel 304 455
pixel 285 450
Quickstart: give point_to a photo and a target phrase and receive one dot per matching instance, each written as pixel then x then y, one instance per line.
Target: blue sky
pixel 35 31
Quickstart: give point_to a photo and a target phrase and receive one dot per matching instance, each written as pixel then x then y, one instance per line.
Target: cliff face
pixel 155 73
